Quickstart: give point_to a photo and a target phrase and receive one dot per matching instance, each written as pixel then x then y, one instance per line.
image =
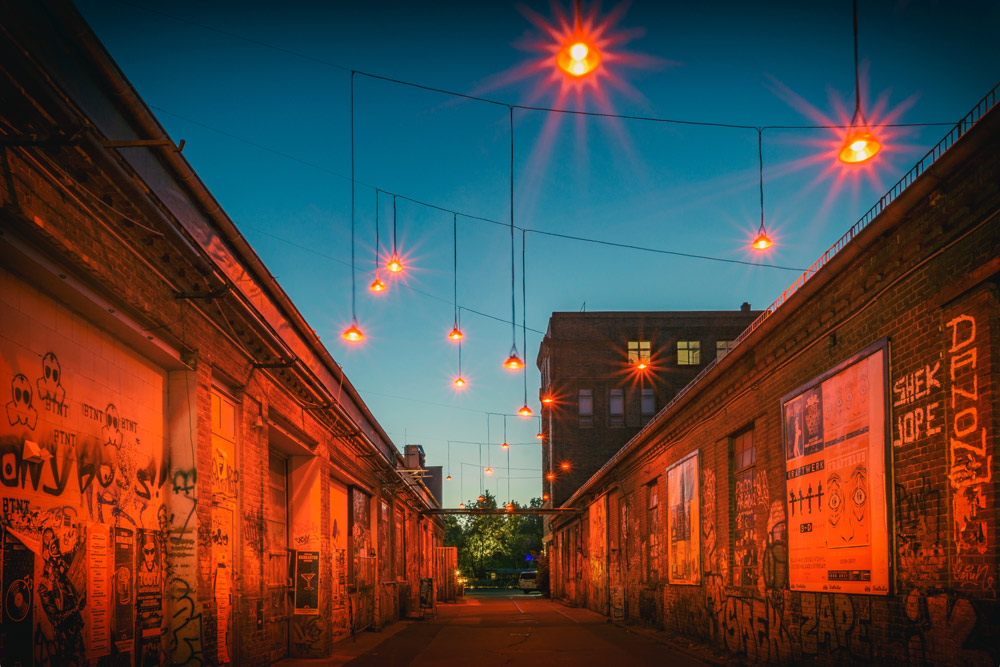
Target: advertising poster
pixel 834 440
pixel 18 577
pixel 683 521
pixel 149 597
pixel 98 590
pixel 123 619
pixel 306 582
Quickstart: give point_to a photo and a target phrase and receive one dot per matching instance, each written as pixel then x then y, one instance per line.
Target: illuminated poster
pixel 306 582
pixel 98 590
pixel 16 606
pixel 149 597
pixel 683 520
pixel 834 439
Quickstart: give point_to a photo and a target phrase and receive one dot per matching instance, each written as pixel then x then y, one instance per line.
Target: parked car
pixel 528 581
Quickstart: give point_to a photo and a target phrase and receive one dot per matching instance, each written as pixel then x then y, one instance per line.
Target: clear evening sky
pixel 260 93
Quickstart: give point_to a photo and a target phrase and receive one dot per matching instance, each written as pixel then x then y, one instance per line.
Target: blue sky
pixel 260 94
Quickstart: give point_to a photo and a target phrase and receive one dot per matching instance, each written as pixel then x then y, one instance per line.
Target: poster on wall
pixel 17 603
pixel 835 451
pixel 123 594
pixel 98 621
pixel 148 597
pixel 307 582
pixel 683 521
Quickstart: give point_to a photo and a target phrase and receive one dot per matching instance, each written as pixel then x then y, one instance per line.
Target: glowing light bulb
pixel 641 365
pixel 564 465
pixel 547 399
pixel 513 362
pixel 539 435
pixel 378 285
pixel 461 505
pixel 448 477
pixel 353 334
pixel 482 499
pixel 545 496
pixel 859 145
pixel 456 334
pixel 394 264
pixel 459 382
pixel 762 242
pixel 550 476
pixel 510 507
pixel 578 58
pixel 489 471
pixel 505 446
pixel 525 411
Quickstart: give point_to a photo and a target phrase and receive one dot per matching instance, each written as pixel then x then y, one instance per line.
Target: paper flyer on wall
pixel 834 439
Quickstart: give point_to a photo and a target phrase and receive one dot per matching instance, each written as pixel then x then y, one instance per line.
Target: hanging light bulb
pixel 510 507
pixel 539 435
pixel 859 143
pixel 482 499
pixel 378 285
pixel 513 362
pixel 550 476
pixel 547 399
pixel 456 333
pixel 525 411
pixel 505 446
pixel 545 496
pixel 489 471
pixel 353 334
pixel 564 465
pixel 461 505
pixel 394 264
pixel 578 57
pixel 448 478
pixel 459 382
pixel 763 241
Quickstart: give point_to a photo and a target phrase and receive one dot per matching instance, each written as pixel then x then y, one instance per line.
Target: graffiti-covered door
pixel 362 562
pixel 278 590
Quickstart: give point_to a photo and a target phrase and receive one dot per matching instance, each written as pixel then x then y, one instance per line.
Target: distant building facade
pixel 604 375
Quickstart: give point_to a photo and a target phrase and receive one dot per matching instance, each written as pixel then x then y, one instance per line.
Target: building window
pixel 586 403
pixel 653 526
pixel 647 403
pixel 638 350
pixel 722 348
pixel 688 352
pixel 616 407
pixel 743 518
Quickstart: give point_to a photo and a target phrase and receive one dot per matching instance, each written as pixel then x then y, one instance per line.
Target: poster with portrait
pixel 683 521
pixel 835 456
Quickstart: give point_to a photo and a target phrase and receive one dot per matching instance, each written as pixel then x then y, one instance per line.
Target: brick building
pixel 187 476
pixel 826 491
pixel 605 374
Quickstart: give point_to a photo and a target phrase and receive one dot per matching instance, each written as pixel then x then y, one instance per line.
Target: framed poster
pixel 306 582
pixel 684 521
pixel 835 488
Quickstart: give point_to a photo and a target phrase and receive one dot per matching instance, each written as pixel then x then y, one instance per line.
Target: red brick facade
pixel 187 477
pixel 589 352
pixel 898 332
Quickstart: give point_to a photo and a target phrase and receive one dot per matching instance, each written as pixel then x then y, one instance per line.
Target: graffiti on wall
pixel 970 459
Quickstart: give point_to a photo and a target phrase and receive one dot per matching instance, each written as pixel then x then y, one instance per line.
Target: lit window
pixel 638 350
pixel 616 407
pixel 586 403
pixel 647 403
pixel 722 348
pixel 688 352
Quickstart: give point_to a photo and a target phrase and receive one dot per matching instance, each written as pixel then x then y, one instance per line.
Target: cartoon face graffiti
pixel 20 410
pixel 49 384
pixel 106 468
pixel 110 434
pixel 149 552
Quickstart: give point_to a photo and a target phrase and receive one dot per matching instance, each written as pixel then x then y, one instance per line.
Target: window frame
pixel 585 418
pixel 638 350
pixel 619 418
pixel 691 350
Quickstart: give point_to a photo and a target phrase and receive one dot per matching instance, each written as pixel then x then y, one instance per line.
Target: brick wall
pixel 920 285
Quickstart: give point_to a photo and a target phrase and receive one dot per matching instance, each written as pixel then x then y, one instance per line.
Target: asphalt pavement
pixel 510 628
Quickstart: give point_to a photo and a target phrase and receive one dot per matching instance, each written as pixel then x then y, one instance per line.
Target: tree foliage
pixel 491 542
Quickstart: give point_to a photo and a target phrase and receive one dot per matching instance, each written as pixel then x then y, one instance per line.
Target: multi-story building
pixel 605 374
